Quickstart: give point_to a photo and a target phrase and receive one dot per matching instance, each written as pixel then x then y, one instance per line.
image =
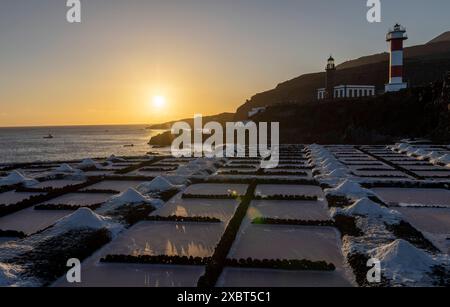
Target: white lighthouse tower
pixel 396 36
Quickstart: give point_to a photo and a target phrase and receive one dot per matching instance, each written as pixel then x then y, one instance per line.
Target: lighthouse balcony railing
pixel 396 35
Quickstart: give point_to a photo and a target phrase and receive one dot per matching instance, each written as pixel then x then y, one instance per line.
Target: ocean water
pixel 19 145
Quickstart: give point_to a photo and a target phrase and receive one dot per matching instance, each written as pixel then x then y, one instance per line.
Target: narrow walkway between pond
pixel 217 263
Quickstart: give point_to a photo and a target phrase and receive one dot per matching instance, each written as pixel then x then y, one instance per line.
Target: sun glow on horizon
pixel 159 101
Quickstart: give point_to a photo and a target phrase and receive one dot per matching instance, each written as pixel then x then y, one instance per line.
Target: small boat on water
pixel 49 136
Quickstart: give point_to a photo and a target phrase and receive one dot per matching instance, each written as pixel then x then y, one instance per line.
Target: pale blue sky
pixel 232 48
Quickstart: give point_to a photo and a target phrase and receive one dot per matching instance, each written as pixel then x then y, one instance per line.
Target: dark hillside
pixel 417 112
pixel 423 64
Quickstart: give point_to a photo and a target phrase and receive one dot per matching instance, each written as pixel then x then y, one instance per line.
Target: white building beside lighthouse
pixel 395 37
pixel 348 91
pixel 332 91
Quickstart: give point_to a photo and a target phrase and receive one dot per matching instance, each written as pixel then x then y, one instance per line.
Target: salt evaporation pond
pixel 240 277
pixel 434 223
pixel 79 199
pixel 216 189
pixel 222 209
pixel 168 238
pixel 288 242
pixel 136 275
pixel 293 210
pixel 292 190
pixel 13 197
pixel 30 221
pixel 407 196
pixel 57 184
pixel 116 185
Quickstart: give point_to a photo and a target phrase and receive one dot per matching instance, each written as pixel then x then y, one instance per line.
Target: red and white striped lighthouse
pixel 396 36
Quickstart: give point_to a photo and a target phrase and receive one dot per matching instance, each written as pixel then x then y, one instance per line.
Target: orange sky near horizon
pixel 123 94
pixel 205 57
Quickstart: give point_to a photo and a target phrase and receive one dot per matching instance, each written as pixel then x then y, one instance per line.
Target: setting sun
pixel 159 101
